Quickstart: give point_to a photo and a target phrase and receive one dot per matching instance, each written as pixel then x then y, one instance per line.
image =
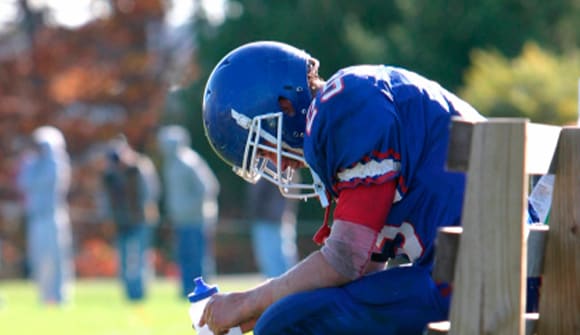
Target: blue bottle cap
pixel 201 290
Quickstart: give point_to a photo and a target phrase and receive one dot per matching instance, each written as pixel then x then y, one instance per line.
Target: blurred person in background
pixel 273 221
pixel 132 190
pixel 44 180
pixel 190 197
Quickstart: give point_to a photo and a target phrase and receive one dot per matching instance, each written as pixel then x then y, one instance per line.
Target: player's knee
pixel 267 326
pixel 272 323
pixel 291 315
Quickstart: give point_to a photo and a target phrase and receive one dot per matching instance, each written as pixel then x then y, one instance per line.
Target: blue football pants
pixel 396 301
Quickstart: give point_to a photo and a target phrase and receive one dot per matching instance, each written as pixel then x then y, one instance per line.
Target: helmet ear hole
pixel 286 106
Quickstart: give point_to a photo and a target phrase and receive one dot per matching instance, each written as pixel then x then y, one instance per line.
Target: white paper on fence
pixel 541 196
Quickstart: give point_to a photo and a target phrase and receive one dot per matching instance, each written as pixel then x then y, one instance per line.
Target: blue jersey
pixel 370 124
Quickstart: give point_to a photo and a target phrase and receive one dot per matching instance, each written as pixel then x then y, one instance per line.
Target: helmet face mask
pixel 244 121
pixel 265 156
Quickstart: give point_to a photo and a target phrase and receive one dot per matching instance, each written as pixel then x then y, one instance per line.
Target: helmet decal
pixel 242 120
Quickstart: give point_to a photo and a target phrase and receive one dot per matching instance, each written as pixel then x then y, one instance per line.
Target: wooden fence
pixel 486 260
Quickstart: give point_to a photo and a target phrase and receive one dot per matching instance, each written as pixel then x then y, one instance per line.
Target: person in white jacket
pixel 44 180
pixel 190 196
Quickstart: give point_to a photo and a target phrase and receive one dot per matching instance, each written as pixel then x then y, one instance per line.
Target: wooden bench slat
pixel 447 246
pixel 540 146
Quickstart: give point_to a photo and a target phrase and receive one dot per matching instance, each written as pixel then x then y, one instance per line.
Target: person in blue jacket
pixel 374 138
pixel 191 192
pixel 44 180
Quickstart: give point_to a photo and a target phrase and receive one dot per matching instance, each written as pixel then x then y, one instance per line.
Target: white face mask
pixel 255 166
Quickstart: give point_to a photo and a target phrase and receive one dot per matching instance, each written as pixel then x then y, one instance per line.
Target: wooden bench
pixel 485 260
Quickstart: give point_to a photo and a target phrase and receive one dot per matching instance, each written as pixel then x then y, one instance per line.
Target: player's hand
pixel 227 310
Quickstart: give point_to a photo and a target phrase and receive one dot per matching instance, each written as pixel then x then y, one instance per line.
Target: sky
pixel 74 13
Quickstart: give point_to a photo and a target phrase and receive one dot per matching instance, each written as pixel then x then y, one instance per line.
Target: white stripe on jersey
pixel 369 169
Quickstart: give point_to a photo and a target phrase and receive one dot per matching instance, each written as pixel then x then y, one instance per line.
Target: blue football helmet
pixel 242 114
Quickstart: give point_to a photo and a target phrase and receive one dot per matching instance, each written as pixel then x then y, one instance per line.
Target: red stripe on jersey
pixel 367 205
pixel 338 187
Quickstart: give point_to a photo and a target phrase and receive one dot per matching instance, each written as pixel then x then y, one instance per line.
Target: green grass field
pixel 99 308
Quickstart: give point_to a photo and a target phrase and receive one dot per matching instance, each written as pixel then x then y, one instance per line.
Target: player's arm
pixel 224 311
pixel 359 216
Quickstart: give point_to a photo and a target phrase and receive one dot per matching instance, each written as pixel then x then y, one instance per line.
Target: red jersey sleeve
pixel 367 205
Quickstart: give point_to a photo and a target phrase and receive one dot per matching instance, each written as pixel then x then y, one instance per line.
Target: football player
pixel 374 138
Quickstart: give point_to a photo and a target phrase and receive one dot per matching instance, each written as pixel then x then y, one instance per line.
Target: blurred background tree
pixel 537 84
pixel 124 69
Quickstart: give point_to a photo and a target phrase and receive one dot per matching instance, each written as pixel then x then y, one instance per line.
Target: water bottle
pixel 198 299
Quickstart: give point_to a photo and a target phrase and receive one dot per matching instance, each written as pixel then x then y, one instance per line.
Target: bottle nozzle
pixel 201 290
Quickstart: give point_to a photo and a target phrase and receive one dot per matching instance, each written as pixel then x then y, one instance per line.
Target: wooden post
pixel 560 297
pixel 489 279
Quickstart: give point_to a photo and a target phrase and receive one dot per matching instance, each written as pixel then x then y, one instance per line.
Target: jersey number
pixel 332 88
pixel 411 245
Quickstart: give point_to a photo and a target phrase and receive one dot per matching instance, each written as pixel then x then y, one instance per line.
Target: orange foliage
pixel 96 258
pixel 80 83
pixel 66 79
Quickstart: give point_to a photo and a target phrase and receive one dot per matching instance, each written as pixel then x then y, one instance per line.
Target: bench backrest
pixel 491 266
